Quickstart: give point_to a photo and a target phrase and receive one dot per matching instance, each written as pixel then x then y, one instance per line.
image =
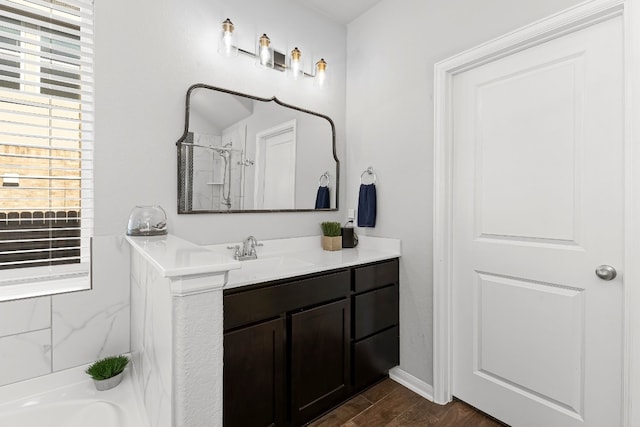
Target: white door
pixel 276 169
pixel 537 207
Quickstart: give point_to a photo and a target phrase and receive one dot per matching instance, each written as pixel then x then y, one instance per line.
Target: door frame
pixel 261 136
pixel 570 20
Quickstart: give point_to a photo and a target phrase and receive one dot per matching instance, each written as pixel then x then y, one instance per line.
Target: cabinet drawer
pixel 254 305
pixel 375 311
pixel 376 276
pixel 374 356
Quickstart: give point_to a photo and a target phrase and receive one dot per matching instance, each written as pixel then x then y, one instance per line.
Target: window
pixel 46 144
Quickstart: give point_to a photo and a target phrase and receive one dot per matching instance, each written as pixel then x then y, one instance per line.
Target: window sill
pixel 11 292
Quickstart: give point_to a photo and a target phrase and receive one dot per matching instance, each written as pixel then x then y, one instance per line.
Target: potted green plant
pixel 107 373
pixel 331 236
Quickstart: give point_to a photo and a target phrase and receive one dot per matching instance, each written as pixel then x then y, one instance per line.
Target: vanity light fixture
pixel 227 47
pixel 321 73
pixel 264 51
pixel 295 63
pixel 268 57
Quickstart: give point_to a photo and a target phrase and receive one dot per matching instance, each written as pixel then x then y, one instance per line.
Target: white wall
pixel 391 53
pixel 149 53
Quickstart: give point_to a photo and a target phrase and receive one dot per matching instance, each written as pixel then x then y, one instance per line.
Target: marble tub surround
pixel 47 334
pixel 283 258
pixel 176 329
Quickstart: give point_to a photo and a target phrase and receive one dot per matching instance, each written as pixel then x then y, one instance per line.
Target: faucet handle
pixel 251 250
pixel 237 254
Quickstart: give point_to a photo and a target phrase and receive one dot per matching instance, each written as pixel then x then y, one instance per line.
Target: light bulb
pixel 227 40
pixel 265 55
pixel 226 46
pixel 321 73
pixel 264 52
pixel 295 64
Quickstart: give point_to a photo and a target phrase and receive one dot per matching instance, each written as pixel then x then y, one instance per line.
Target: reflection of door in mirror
pixel 276 167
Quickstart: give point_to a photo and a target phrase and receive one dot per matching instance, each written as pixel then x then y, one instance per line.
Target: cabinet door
pixel 320 359
pixel 374 356
pixel 254 375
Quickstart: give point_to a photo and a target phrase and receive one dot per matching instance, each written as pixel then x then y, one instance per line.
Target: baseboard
pixel 412 383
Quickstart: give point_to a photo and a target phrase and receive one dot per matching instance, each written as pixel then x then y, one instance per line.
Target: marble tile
pixel 151 345
pixel 136 264
pixel 157 399
pixel 157 340
pixel 140 276
pixel 25 315
pixel 138 306
pixel 93 324
pixel 25 356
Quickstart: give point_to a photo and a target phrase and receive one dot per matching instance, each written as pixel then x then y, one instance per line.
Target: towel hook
pixel 369 171
pixel 326 177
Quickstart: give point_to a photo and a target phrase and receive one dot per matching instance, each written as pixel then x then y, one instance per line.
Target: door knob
pixel 606 272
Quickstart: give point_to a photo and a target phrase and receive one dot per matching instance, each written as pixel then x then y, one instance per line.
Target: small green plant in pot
pixel 107 373
pixel 331 236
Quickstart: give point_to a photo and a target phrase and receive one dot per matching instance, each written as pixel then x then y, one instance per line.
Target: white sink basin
pixel 266 268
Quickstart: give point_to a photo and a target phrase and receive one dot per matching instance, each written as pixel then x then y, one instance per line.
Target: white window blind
pixel 46 140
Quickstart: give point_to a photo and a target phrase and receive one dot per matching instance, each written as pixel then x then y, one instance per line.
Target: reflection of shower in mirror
pixel 216 175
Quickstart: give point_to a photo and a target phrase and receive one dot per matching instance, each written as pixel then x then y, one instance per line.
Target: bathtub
pixel 69 399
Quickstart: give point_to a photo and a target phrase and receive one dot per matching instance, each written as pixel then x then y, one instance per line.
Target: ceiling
pixel 342 11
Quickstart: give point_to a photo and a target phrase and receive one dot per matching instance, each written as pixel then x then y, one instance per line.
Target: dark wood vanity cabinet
pixel 320 359
pixel 254 371
pixel 376 334
pixel 295 348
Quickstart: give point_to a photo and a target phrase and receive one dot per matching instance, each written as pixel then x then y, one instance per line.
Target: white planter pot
pixel 109 383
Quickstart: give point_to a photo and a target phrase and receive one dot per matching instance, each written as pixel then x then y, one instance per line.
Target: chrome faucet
pixel 248 249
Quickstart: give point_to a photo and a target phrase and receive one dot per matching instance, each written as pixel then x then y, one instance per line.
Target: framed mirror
pixel 241 153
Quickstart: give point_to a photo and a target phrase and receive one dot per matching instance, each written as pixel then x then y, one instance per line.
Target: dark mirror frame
pixel 277 101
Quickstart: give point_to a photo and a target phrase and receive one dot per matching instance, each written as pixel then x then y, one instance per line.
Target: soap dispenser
pixel 349 236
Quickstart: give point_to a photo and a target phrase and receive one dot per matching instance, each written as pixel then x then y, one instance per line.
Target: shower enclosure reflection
pixel 241 153
pixel 216 163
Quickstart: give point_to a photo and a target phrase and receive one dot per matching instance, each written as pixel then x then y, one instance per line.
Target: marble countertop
pixel 177 258
pixel 285 258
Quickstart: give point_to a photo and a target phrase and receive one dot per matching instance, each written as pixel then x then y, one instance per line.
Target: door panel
pixel 276 167
pixel 535 202
pixel 517 335
pixel 537 206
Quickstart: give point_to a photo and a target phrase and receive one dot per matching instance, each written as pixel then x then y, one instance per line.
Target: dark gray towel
pixel 367 205
pixel 322 198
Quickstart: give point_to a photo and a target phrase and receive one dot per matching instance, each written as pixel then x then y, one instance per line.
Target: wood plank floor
pixel 389 404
